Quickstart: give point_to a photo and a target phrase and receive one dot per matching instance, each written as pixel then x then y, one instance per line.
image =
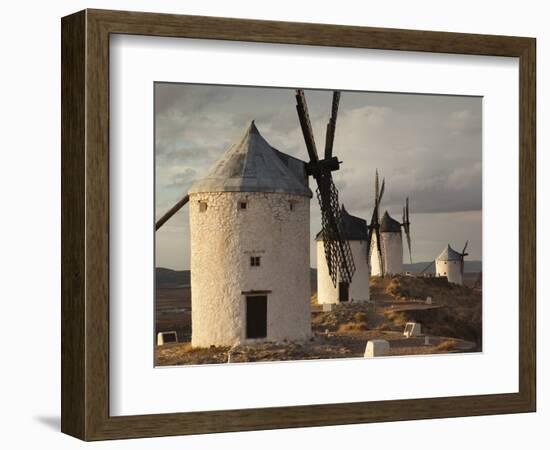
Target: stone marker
pixel 377 347
pixel 412 329
pixel 167 337
pixel 327 307
pixel 428 300
pixel 426 340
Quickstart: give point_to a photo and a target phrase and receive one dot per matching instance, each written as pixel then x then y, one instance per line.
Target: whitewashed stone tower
pixel 356 233
pixel 392 247
pixel 250 265
pixel 449 264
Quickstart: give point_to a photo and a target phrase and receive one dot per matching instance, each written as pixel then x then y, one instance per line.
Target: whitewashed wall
pixel 223 238
pixel 392 249
pixel 359 287
pixel 326 291
pixel 449 269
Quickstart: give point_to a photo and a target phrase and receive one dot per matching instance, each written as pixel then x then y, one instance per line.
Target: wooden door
pixel 343 292
pixel 256 316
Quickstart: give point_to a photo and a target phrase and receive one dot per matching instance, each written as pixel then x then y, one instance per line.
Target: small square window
pixel 203 206
pixel 243 205
pixel 254 261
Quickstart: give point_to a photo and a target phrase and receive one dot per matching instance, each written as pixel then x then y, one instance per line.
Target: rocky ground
pixel 452 322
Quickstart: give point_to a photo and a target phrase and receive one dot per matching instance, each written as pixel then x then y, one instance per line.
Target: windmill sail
pixel 173 210
pixel 338 254
pixel 462 255
pixel 407 227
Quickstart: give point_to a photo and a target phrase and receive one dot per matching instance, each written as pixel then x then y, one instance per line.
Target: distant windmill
pixel 374 228
pixel 450 264
pixel 387 248
pixel 355 232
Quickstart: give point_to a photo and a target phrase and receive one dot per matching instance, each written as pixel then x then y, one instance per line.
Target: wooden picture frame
pixel 85 224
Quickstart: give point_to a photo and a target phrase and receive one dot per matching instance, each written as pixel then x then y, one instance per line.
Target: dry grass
pixel 395 288
pixel 446 346
pixel 358 323
pixel 398 319
pixel 313 299
pixel 352 327
pixel 183 353
pixel 461 313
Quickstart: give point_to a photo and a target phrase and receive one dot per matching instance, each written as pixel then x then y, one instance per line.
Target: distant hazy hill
pixel 172 278
pixel 469 266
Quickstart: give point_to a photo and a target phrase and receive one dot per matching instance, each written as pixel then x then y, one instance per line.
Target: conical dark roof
pixel 389 224
pixel 252 165
pixel 449 255
pixel 354 228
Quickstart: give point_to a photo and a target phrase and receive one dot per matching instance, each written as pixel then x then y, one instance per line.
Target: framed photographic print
pixel 270 224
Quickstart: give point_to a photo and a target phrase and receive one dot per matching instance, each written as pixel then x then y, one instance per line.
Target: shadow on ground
pixel 52 422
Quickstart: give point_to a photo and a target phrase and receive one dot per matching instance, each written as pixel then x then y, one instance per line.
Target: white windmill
pixel 355 231
pixel 450 264
pixel 386 238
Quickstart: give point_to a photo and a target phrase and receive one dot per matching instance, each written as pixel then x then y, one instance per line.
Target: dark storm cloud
pixel 428 147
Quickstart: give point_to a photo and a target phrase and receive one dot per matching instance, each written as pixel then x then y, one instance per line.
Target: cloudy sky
pixel 428 147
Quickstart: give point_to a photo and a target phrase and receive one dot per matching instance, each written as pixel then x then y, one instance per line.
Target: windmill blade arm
pixel 305 123
pixel 407 234
pixel 382 187
pixel 337 249
pixel 173 210
pixel 407 226
pixel 331 126
pixel 369 242
pixel 427 267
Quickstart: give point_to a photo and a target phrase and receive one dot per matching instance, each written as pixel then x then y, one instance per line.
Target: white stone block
pixel 428 300
pixel 412 329
pixel 327 307
pixel 377 347
pixel 167 337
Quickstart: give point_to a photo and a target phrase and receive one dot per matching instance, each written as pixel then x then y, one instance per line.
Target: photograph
pixel 306 224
